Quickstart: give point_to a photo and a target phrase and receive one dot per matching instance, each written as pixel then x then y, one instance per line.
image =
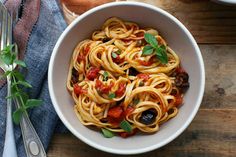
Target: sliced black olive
pixel 148 116
pixel 133 71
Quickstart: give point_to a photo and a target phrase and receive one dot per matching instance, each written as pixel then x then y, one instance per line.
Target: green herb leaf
pixel 147 50
pixel 118 52
pixel 21 63
pixel 112 95
pixel 18 75
pixel 161 54
pixel 105 76
pixel 151 40
pixel 8 48
pixel 5 74
pixel 6 58
pixel 17 115
pixel 30 103
pixel 16 94
pixel 136 101
pixel 114 55
pixel 24 83
pixel 107 133
pixel 126 126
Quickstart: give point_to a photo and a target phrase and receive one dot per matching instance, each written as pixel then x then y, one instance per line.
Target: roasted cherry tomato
pixel 121 90
pixel 78 90
pixel 92 73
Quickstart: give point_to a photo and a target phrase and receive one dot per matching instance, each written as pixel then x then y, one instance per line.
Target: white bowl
pixel 176 35
pixel 229 2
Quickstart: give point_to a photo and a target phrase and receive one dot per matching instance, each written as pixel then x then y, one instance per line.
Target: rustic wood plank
pixel 220 65
pixel 211 134
pixel 208 21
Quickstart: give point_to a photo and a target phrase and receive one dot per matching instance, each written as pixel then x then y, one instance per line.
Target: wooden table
pixel 213 131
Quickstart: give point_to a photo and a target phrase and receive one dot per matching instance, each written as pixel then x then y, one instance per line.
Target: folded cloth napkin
pixel 36 34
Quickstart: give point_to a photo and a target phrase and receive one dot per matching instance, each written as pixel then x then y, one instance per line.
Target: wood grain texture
pixel 208 21
pixel 220 66
pixel 213 131
pixel 211 134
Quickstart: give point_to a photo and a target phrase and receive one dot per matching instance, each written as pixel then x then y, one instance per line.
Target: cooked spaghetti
pixel 120 82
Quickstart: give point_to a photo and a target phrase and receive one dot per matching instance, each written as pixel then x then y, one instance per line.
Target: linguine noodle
pixel 111 80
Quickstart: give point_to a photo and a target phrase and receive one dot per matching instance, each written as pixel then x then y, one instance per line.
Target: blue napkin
pixel 40 45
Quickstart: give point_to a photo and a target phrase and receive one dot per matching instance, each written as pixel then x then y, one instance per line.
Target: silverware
pixel 9 149
pixel 33 145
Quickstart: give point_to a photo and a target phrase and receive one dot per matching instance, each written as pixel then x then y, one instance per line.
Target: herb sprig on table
pixel 155 47
pixel 18 83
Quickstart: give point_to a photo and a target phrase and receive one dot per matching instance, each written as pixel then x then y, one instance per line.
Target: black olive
pixel 104 120
pixel 148 116
pixel 74 80
pixel 75 72
pixel 184 75
pixel 178 81
pixel 106 39
pixel 133 71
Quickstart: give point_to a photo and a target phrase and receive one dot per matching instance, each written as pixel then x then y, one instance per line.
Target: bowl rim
pixel 130 151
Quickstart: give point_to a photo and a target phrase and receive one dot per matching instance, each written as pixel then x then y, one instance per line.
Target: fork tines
pixel 6 27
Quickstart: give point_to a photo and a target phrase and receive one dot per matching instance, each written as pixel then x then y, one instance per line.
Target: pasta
pixel 119 81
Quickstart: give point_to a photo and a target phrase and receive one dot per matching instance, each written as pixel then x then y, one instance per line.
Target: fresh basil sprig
pixel 18 83
pixel 154 47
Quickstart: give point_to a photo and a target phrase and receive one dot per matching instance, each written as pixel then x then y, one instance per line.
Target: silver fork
pixel 6 39
pixel 33 145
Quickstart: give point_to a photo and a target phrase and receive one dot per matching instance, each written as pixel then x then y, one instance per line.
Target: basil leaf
pixel 126 126
pixel 17 115
pixel 105 76
pixel 33 103
pixel 114 55
pixel 151 40
pixel 107 133
pixel 21 63
pixel 161 54
pixel 112 95
pixel 147 50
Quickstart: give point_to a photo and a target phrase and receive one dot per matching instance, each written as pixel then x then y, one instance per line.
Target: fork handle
pixel 32 143
pixel 9 145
